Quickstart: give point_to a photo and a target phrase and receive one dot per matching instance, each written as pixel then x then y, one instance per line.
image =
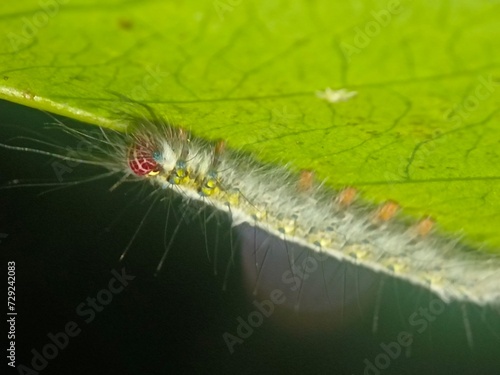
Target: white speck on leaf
pixel 335 96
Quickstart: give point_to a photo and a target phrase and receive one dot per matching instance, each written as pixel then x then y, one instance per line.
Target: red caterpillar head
pixel 142 159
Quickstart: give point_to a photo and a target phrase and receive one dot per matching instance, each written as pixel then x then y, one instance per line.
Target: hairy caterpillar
pixel 252 194
pixel 296 208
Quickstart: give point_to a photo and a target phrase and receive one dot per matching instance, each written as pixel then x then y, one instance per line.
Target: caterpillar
pixel 291 207
pixel 302 211
pixel 294 207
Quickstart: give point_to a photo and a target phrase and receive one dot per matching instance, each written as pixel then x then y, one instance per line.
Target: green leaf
pixel 422 129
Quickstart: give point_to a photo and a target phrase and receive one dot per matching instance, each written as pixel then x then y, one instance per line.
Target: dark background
pixel 66 242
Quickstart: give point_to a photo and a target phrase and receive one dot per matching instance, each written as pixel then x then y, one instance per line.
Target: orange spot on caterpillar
pixel 219 149
pixel 386 211
pixel 306 180
pixel 346 196
pixel 424 226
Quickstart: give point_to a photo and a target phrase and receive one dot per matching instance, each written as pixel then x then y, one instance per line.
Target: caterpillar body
pixel 295 208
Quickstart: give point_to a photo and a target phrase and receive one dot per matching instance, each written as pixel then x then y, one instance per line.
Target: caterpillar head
pixel 143 158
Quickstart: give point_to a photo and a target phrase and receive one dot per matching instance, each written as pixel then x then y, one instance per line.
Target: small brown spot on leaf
pixel 125 23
